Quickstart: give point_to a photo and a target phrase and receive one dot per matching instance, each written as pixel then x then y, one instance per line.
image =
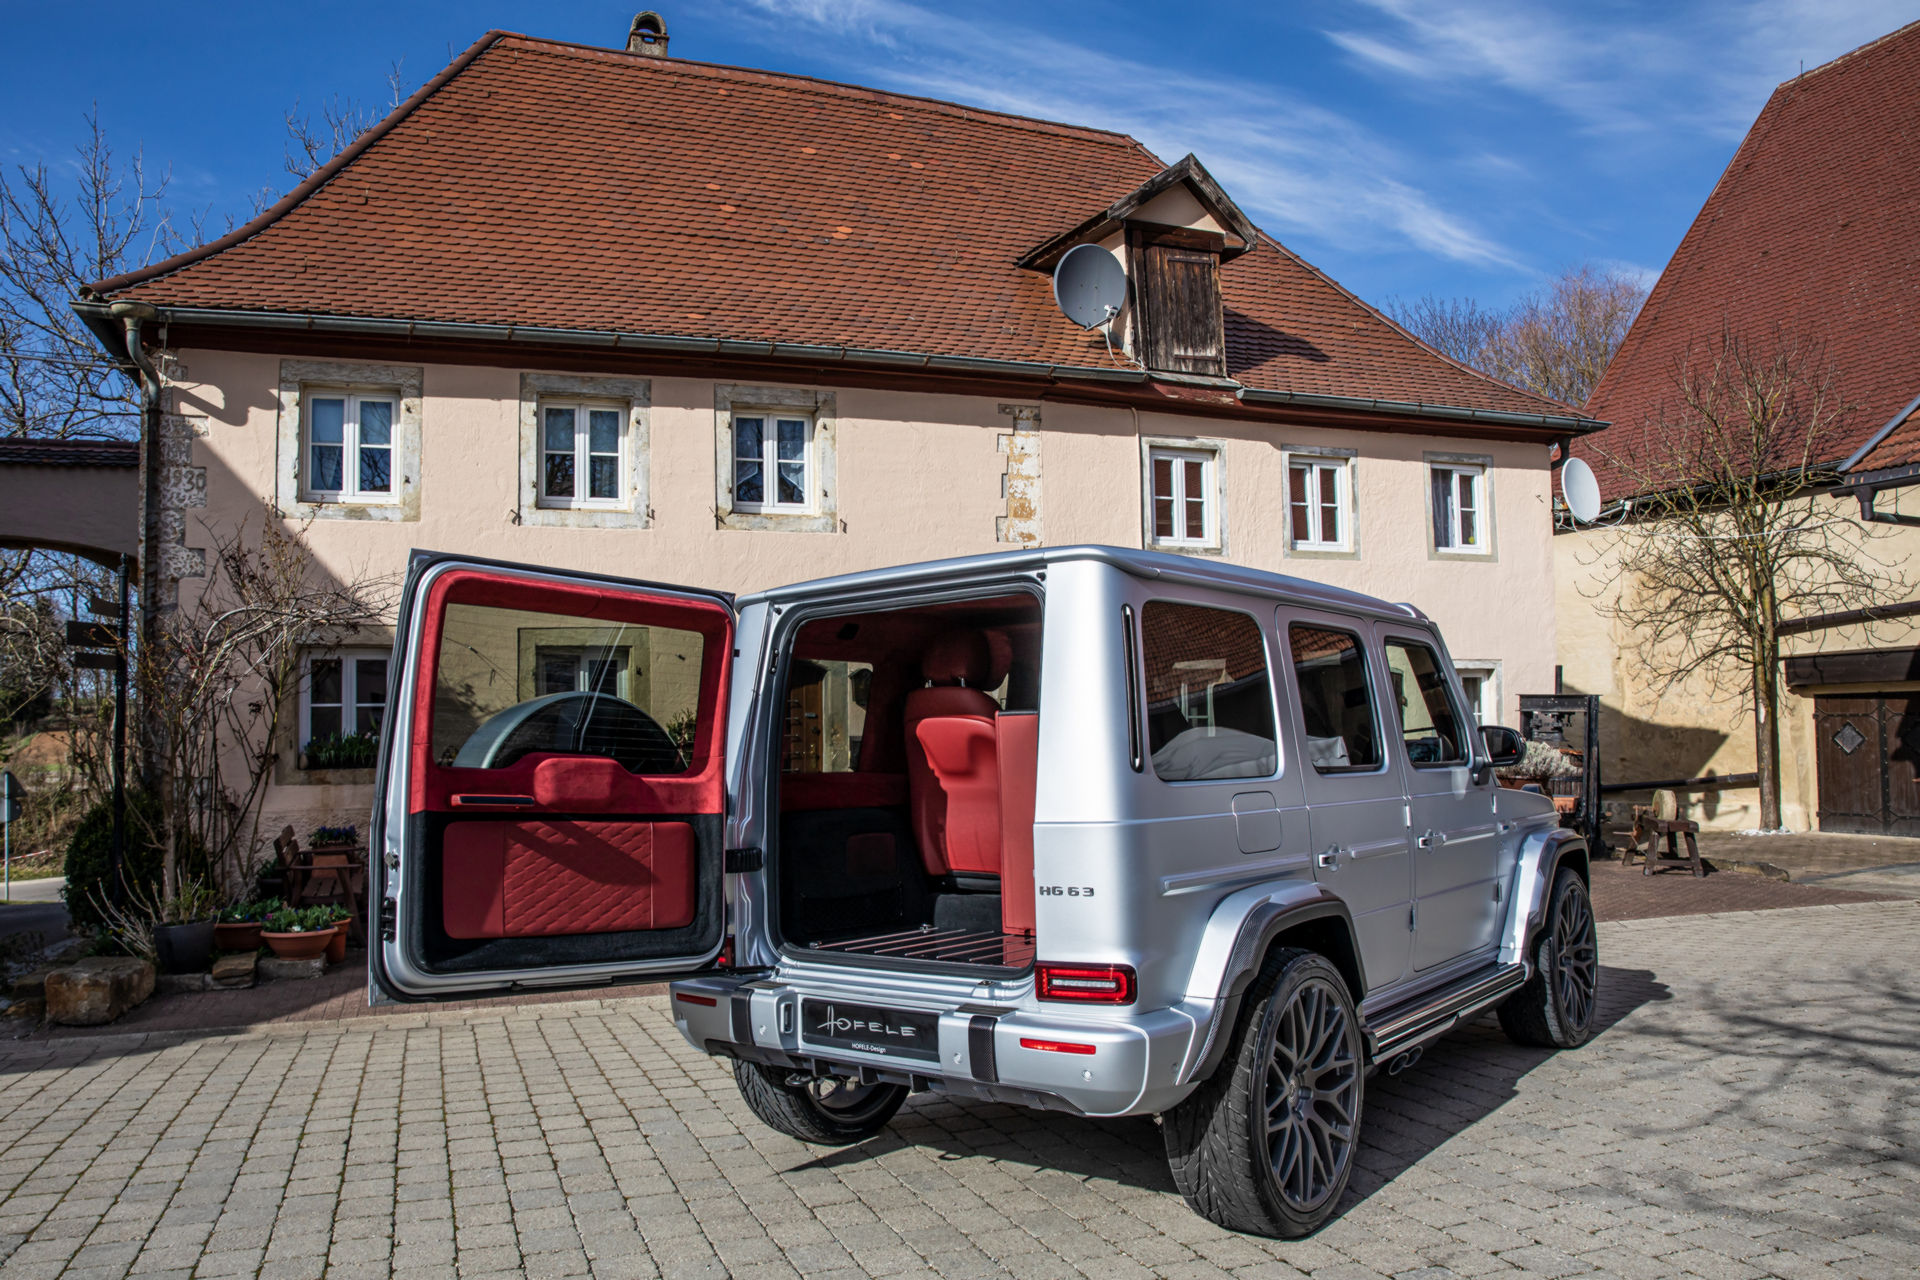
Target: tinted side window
pixel 1209 701
pixel 1428 722
pixel 1336 699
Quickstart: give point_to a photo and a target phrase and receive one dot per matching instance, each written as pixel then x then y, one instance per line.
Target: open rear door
pixel 551 787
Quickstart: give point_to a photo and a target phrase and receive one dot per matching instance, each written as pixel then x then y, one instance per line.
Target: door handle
pixel 1432 840
pixel 492 802
pixel 1330 860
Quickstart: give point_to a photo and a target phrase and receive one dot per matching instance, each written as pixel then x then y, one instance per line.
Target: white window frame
pixel 1488 674
pixel 770 420
pixel 349 689
pixel 1317 465
pixel 583 454
pixel 350 446
pixel 1482 524
pixel 1209 460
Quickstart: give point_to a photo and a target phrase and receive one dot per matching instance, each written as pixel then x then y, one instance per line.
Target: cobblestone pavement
pixel 1747 1112
pixel 1874 864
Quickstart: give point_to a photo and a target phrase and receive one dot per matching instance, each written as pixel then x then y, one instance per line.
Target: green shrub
pixel 90 857
pixel 343 751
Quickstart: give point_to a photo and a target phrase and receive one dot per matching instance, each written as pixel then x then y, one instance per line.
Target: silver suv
pixel 1103 831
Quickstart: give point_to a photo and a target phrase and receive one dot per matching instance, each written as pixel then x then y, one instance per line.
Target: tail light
pixel 1085 983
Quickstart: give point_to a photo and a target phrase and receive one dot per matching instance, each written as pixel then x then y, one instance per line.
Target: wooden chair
pixel 1649 830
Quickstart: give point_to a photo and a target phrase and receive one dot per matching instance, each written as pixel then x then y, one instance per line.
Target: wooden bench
pixel 1649 830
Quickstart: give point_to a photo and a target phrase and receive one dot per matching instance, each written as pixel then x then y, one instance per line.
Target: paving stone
pixel 1731 1120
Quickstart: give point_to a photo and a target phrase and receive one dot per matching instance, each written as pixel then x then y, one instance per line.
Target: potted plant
pixel 341 837
pixel 183 933
pixel 239 925
pixel 297 933
pixel 342 922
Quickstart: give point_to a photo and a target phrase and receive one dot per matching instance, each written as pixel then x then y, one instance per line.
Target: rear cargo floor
pixel 950 946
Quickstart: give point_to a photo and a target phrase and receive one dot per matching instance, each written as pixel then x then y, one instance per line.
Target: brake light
pixel 705 1002
pixel 1085 983
pixel 1055 1046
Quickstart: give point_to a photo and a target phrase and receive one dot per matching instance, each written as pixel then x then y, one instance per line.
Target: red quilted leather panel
pixel 557 877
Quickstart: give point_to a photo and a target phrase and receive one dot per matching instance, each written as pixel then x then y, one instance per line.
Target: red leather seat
pixel 953 774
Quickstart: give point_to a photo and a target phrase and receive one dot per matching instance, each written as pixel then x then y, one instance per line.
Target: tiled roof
pixel 1899 446
pixel 536 183
pixel 38 452
pixel 1814 229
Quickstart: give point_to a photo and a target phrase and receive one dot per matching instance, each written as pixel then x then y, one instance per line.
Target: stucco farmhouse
pixel 604 309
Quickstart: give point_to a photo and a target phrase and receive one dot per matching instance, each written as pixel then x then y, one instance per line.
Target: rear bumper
pixel 985 1051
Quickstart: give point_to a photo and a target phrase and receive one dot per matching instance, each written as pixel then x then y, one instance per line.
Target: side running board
pixel 1436 1012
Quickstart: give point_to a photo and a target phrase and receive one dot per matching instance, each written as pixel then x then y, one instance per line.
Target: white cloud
pixel 1705 67
pixel 1297 167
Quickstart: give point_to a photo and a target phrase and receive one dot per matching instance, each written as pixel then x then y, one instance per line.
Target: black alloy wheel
pixel 1557 1006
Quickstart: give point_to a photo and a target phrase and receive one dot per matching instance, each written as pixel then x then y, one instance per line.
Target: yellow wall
pixel 1700 727
pixel 919 477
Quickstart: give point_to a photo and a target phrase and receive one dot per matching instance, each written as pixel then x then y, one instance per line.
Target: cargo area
pixel 905 789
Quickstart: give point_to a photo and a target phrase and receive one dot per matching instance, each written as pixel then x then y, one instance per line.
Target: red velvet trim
pixel 813 791
pixel 702 789
pixel 1019 754
pixel 536 879
pixel 581 784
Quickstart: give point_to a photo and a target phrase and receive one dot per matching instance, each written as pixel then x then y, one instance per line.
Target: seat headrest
pixel 959 657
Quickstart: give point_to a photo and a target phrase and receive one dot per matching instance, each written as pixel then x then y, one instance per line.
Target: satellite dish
pixel 1581 490
pixel 1089 286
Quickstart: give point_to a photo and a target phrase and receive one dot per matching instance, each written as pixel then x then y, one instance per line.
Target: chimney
pixel 648 35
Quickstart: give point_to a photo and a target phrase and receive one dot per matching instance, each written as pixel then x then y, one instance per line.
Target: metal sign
pixel 11 796
pixel 82 634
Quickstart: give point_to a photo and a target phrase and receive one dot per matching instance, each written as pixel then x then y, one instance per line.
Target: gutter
pixel 1557 422
pixel 95 313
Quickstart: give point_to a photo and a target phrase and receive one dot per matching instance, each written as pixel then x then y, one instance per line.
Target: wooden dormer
pixel 1171 234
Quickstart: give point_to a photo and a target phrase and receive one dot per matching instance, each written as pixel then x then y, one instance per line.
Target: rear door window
pixel 1429 723
pixel 1209 698
pixel 1336 698
pixel 511 683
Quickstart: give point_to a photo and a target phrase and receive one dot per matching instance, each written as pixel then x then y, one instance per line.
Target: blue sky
pixel 1457 148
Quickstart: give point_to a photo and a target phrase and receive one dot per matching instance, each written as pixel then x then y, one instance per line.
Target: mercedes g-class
pixel 1105 831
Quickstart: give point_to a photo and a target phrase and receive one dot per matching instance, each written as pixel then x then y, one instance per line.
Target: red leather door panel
pixel 543 878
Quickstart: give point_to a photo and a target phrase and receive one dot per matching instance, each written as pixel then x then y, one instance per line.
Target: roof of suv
pixel 1149 565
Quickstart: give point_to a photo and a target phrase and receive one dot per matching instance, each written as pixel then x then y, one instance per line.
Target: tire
pixel 1296 1051
pixel 1555 1009
pixel 828 1112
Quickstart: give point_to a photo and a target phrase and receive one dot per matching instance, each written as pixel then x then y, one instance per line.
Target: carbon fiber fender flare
pixel 1221 980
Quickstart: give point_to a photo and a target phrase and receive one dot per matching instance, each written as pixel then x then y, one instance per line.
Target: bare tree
pixel 1729 538
pixel 220 678
pixel 1555 343
pixel 311 143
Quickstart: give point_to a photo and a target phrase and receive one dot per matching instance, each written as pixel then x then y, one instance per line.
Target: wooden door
pixel 1867 755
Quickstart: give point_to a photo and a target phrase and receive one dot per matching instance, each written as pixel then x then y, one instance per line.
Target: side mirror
pixel 1504 746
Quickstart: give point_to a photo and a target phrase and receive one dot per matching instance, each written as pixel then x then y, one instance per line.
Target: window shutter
pixel 1176 280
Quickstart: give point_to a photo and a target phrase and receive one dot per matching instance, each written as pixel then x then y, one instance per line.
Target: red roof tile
pixel 1898 447
pixel 536 183
pixel 1815 228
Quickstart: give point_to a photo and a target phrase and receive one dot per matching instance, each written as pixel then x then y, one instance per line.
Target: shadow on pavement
pixel 1462 1078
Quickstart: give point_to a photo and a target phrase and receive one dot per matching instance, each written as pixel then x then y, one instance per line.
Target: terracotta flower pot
pixel 298 946
pixel 241 936
pixel 337 945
